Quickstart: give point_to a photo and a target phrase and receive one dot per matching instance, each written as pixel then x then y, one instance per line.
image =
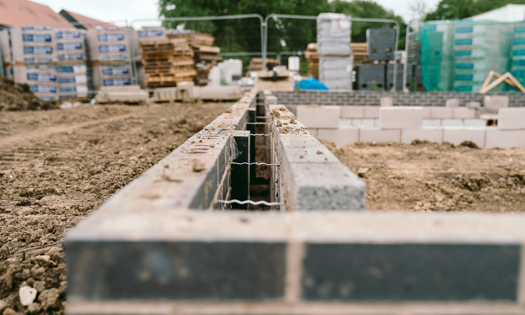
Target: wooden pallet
pixel 168 69
pixel 170 54
pixel 171 63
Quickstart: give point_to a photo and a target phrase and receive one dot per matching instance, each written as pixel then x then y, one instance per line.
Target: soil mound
pixel 18 97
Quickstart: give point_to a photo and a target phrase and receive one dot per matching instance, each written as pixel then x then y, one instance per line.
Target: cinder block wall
pixel 369 98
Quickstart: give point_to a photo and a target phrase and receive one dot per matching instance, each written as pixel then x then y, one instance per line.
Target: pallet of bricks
pixel 167 62
pixel 110 55
pixel 206 56
pixel 333 47
pixel 30 57
pixel 72 59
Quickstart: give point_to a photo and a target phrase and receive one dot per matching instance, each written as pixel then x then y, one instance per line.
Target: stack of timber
pixel 205 55
pixel 312 56
pixel 360 53
pixel 256 64
pixel 167 62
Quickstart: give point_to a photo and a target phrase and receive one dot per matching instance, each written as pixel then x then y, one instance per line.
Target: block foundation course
pixel 312 177
pixel 286 263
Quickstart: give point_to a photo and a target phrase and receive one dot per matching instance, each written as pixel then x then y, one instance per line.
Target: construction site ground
pixel 427 176
pixel 57 166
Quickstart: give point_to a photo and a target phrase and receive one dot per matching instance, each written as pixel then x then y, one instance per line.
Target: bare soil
pixel 57 166
pixel 432 177
pixel 18 97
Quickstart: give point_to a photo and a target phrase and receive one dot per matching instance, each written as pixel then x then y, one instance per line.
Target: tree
pixel 462 9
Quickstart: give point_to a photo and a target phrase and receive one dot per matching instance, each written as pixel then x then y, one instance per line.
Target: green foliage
pixel 462 9
pixel 283 34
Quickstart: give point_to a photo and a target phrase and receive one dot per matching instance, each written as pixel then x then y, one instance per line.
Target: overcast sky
pixel 116 10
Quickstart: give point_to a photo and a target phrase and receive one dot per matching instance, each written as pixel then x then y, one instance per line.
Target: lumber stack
pixel 167 62
pixel 256 64
pixel 312 56
pixel 205 55
pixel 360 53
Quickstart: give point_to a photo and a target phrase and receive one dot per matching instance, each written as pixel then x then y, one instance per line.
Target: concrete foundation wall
pixel 369 98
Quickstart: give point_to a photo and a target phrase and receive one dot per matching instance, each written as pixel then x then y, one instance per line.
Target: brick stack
pixel 333 46
pixel 205 55
pixel 30 57
pixel 110 55
pixel 72 56
pixel 167 62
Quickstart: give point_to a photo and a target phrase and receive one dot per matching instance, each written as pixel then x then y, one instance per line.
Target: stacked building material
pixel 110 55
pixel 72 56
pixel 381 43
pixel 479 49
pixel 256 64
pixel 312 56
pixel 359 52
pixel 437 55
pixel 206 56
pixel 517 66
pixel 333 47
pixel 167 62
pixel 30 57
pixel 146 33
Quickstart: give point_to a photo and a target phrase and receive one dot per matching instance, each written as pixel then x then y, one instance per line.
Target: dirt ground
pixel 57 166
pixel 18 97
pixel 432 177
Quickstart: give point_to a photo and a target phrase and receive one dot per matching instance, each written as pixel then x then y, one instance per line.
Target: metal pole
pixel 407 40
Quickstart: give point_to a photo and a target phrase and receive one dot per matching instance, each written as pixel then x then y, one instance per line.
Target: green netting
pixel 458 55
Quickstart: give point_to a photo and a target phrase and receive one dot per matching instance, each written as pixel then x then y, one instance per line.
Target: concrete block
pixel 505 139
pixel 371 112
pixel 313 131
pixel 341 136
pixel 313 116
pixel 452 123
pixel 357 122
pixel 324 186
pixel 511 118
pixel 473 105
pixel 428 134
pixel 400 117
pixel 431 122
pixel 388 274
pixel 441 112
pixel 426 112
pixel 464 113
pixel 352 111
pixel 457 135
pixel 220 93
pixel 368 122
pixel 379 135
pixel 452 103
pixel 270 99
pixel 475 123
pixel 495 102
pixel 386 102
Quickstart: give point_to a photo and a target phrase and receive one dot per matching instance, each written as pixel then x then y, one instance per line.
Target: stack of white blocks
pixel 405 124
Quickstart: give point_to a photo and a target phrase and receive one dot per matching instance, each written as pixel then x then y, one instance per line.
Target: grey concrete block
pixel 410 272
pixel 318 186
